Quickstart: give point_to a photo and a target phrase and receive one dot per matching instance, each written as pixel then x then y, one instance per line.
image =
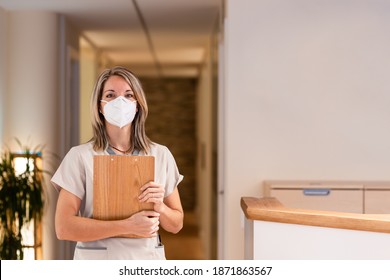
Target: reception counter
pixel 273 231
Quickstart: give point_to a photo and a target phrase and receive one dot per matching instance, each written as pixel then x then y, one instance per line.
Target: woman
pixel 118 112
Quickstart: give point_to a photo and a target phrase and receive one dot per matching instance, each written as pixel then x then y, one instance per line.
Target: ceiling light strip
pixel 148 38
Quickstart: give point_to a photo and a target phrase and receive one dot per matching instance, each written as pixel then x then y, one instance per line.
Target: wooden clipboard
pixel 116 186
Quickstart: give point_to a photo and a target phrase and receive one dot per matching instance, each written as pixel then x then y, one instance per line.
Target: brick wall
pixel 171 122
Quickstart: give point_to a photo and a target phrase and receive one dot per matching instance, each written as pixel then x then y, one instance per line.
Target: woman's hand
pixel 169 207
pixel 144 223
pixel 153 192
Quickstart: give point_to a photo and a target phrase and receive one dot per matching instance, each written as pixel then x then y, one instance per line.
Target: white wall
pixel 32 79
pixel 315 243
pixel 3 68
pixel 306 94
pixel 32 95
pixel 204 154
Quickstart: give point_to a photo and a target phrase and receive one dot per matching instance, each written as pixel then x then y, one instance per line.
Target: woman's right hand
pixel 143 224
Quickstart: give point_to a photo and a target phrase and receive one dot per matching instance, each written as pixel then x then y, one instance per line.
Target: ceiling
pixel 165 37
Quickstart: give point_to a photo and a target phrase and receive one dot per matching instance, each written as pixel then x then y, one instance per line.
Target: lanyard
pixel 111 152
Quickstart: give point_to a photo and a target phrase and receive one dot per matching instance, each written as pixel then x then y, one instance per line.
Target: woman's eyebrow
pixel 111 90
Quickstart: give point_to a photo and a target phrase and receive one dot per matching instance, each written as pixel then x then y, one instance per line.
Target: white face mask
pixel 120 111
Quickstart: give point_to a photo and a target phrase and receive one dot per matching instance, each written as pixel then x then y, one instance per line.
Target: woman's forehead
pixel 116 82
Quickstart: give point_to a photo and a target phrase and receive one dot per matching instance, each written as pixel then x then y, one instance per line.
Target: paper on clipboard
pixel 117 181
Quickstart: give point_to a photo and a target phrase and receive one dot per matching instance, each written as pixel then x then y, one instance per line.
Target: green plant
pixel 21 200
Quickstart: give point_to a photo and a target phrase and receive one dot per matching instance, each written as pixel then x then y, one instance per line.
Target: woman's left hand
pixel 153 192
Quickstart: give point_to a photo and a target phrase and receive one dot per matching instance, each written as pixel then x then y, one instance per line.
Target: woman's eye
pixel 109 95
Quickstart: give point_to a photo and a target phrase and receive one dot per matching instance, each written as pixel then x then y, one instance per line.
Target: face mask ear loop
pixel 100 111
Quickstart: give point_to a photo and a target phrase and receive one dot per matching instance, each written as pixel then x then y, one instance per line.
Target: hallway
pixel 72 44
pixel 186 245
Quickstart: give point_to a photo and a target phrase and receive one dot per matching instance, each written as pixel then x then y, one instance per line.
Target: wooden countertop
pixel 271 210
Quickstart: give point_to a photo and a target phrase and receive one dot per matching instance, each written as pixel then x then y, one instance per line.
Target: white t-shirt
pixel 75 174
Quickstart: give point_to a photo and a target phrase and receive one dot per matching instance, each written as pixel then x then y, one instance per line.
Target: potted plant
pixel 21 200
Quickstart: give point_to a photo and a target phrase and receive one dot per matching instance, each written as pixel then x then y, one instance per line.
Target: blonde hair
pixel 138 139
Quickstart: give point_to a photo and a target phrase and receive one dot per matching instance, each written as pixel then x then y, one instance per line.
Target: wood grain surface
pixel 271 210
pixel 117 181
